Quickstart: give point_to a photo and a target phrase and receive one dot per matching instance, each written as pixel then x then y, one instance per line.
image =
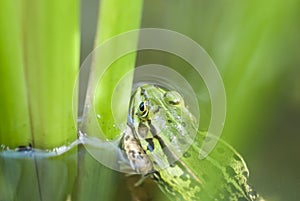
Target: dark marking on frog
pixel 132 152
pixel 166 150
pixel 245 173
pixel 236 157
pixel 156 109
pixel 184 177
pixel 186 155
pixel 142 92
pixel 156 176
pixel 172 181
pixel 150 146
pixel 140 156
pixel 152 129
pixel 230 171
pixel 127 137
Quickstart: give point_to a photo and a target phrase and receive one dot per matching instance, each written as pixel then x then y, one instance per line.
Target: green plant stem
pixel 51 47
pixel 14 113
pixel 116 17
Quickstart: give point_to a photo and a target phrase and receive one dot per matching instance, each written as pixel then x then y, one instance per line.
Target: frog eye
pixel 143 109
pixel 173 98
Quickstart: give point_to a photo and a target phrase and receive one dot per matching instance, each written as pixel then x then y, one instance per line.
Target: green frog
pixel 162 141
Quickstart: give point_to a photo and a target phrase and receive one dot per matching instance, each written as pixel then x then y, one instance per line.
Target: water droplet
pixel 98 116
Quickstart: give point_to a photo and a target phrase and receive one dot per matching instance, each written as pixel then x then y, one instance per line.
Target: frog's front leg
pixel 141 180
pixel 135 160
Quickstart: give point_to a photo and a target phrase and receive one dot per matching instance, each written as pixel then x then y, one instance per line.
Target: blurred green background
pixel 256 46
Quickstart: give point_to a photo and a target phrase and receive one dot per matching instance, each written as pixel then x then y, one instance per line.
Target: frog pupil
pixel 142 106
pixel 143 110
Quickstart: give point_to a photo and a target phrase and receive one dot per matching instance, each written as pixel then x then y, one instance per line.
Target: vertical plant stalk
pixel 51 48
pixel 115 17
pixel 14 118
